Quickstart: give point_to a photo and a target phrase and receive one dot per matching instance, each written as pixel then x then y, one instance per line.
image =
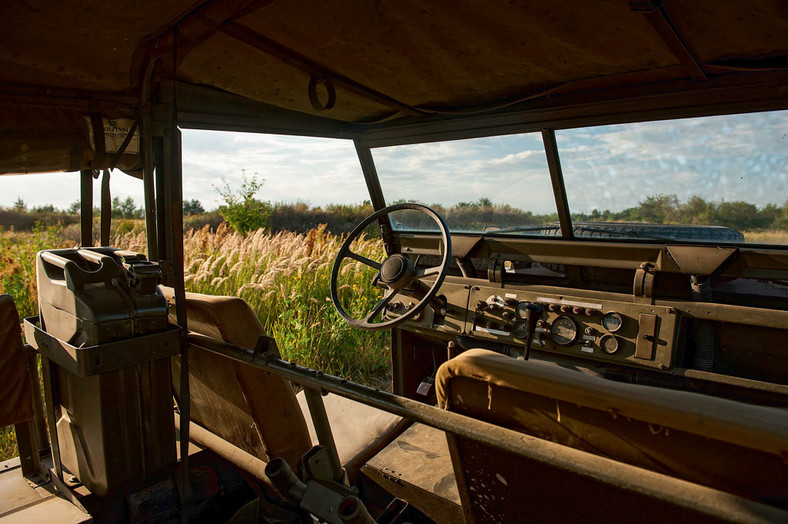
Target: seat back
pixel 728 446
pixel 16 404
pixel 255 410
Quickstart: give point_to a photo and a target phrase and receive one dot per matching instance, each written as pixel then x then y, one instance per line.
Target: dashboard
pixel 628 310
pixel 588 327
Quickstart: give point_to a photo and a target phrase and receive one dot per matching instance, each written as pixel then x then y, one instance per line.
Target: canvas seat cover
pixel 16 403
pixel 726 445
pixel 250 408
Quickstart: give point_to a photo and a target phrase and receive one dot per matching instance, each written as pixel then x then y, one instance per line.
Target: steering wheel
pixel 396 273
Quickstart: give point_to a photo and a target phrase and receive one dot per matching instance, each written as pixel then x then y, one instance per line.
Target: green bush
pixel 241 210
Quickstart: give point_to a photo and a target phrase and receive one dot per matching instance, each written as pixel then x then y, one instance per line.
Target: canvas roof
pixel 397 69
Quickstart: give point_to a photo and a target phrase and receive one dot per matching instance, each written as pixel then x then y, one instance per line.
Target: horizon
pixel 606 168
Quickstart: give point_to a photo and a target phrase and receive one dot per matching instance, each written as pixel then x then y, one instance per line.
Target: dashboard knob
pixel 553 307
pixel 566 309
pixel 481 305
pixel 577 310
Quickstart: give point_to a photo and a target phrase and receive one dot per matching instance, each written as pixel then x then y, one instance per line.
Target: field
pixel 284 277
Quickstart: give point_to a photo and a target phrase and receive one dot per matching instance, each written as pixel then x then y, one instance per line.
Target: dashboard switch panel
pixel 592 327
pixel 647 334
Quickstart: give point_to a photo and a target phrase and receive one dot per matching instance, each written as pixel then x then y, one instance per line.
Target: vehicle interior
pixel 549 369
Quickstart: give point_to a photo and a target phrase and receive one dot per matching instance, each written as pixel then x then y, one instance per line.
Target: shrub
pixel 241 210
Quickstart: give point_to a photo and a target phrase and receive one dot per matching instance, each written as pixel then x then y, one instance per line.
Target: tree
pixel 658 209
pixel 740 215
pixel 241 210
pixel 49 208
pixel 697 211
pixel 20 205
pixel 193 207
pixel 124 209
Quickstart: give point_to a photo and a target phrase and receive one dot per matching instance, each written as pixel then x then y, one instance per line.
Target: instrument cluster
pixel 624 332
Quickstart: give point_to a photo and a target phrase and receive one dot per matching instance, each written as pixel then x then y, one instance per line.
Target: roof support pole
pixel 557 179
pixel 658 17
pixel 162 219
pixel 172 178
pixel 375 191
pixel 149 189
pixel 106 208
pixel 86 208
pixel 148 182
pixel 174 212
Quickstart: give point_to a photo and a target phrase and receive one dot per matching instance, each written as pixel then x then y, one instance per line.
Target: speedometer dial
pixel 563 331
pixel 612 322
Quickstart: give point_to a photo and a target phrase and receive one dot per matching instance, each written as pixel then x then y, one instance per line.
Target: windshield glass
pixel 722 178
pixel 485 184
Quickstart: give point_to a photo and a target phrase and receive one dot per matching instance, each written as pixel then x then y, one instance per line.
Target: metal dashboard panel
pixel 646 337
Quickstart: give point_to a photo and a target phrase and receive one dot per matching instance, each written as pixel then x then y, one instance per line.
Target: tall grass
pixel 284 277
pixel 767 236
pixel 18 264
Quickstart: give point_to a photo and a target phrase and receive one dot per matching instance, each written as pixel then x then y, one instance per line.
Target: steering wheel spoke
pixel 380 306
pixel 364 260
pixel 428 272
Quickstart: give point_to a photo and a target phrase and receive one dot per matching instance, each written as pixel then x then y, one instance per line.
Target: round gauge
pixel 612 322
pixel 563 331
pixel 495 302
pixel 609 344
pixel 520 309
pixel 520 330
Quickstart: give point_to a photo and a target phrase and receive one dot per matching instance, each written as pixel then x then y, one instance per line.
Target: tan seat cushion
pixel 16 401
pixel 250 408
pixel 359 430
pixel 727 445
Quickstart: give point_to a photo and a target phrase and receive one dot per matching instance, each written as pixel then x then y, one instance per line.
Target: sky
pixel 741 157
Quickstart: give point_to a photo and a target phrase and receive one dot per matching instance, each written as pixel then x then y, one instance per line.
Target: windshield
pixel 483 184
pixel 715 179
pixel 722 178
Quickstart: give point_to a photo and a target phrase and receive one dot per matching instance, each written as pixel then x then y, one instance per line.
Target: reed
pixel 284 277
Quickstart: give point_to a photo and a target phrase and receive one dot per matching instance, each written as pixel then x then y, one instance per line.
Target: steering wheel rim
pixel 394 273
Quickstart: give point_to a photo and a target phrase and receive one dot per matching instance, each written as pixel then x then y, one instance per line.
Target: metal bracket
pixel 102 358
pixel 267 348
pixel 643 287
pixel 495 270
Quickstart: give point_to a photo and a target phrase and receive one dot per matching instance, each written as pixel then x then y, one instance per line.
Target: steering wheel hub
pixel 395 268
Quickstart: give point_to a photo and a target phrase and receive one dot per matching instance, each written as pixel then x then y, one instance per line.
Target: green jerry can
pixel 103 328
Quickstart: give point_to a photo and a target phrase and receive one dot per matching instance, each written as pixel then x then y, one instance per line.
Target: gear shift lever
pixel 533 312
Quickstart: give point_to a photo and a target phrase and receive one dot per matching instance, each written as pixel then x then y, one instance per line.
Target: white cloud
pixel 612 167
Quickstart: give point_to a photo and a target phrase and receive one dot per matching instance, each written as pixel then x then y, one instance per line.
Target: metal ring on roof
pixel 314 99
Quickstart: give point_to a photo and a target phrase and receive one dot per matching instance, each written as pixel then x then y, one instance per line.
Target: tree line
pixel 668 209
pixel 244 212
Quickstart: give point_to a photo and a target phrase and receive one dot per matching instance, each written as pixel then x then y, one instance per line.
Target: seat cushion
pixel 247 406
pixel 732 446
pixel 16 401
pixel 359 430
